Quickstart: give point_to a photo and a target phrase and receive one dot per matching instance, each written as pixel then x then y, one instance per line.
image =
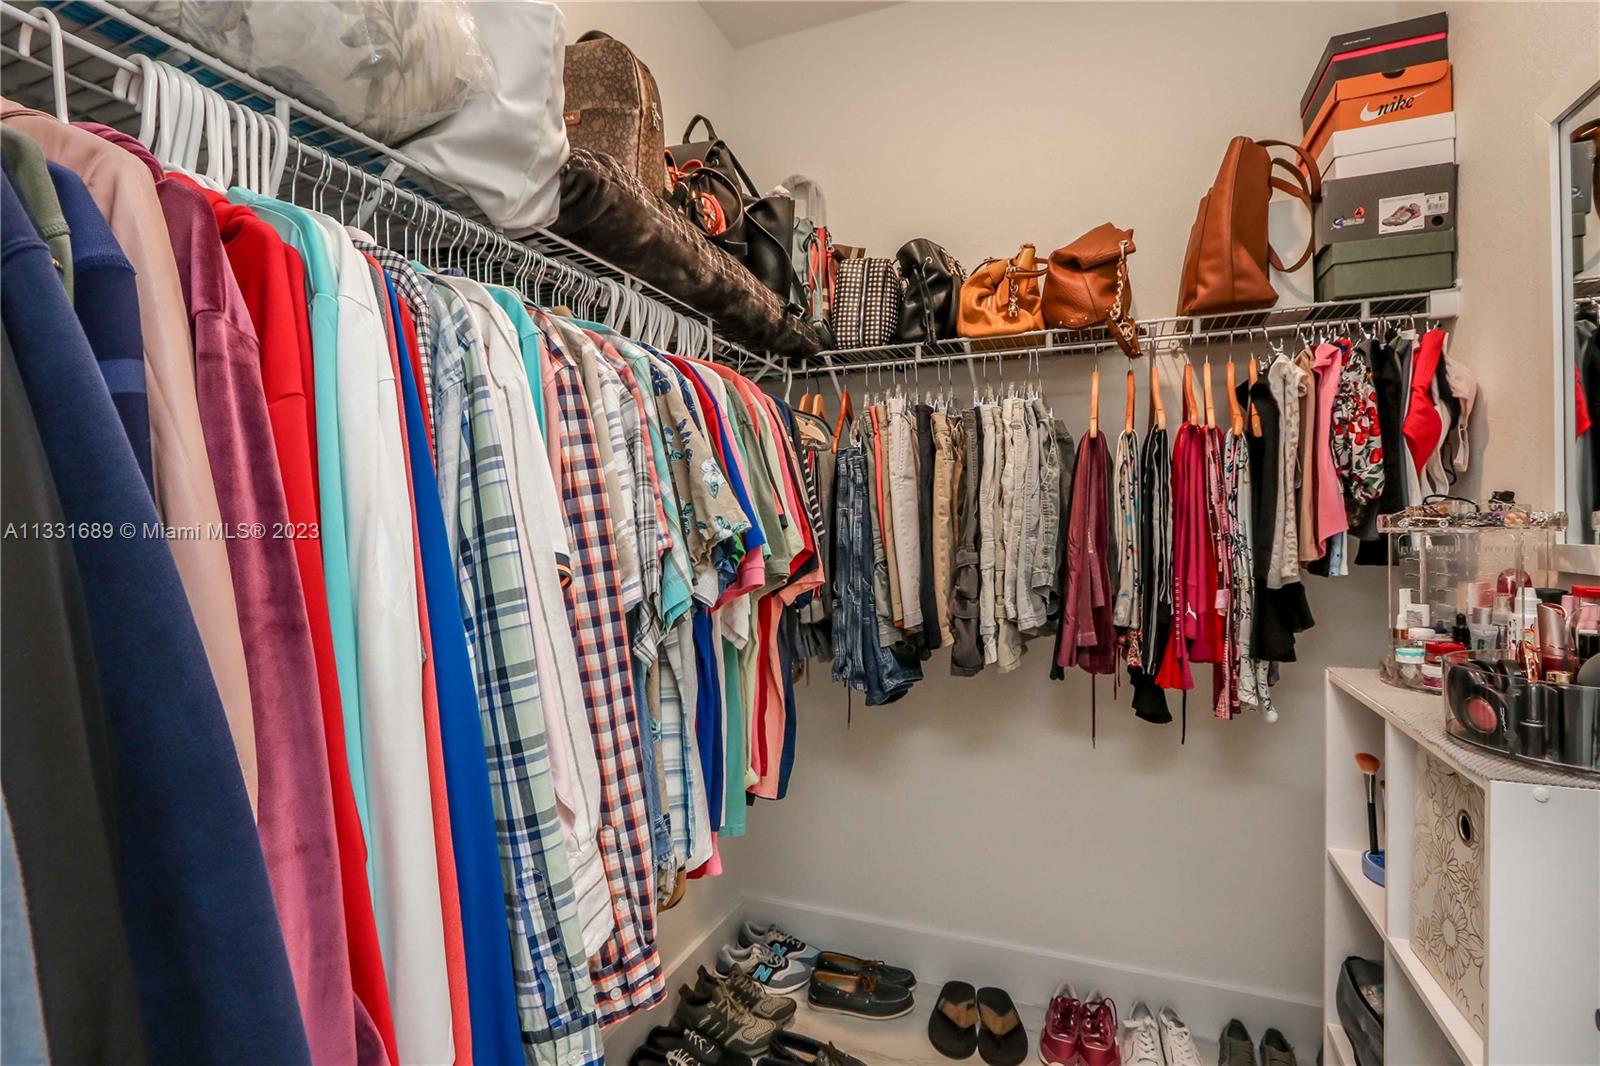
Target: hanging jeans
pixel 860 659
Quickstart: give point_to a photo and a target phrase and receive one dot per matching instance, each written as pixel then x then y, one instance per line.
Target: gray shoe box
pixel 1384 266
pixel 1356 209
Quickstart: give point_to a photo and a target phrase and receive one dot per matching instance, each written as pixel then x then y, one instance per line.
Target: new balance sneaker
pixel 1141 1039
pixel 780 942
pixel 1234 1046
pixel 1058 1040
pixel 748 993
pixel 704 1051
pixel 1276 1050
pixel 862 995
pixel 1177 1043
pixel 724 1021
pixel 1097 1037
pixel 780 973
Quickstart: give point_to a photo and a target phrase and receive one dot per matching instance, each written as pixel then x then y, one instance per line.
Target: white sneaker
pixel 1141 1042
pixel 1176 1042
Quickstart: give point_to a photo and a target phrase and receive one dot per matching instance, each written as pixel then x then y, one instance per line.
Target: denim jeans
pixel 860 659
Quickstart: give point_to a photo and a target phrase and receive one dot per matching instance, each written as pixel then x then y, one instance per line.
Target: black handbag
pixel 866 303
pixel 769 237
pixel 932 291
pixel 714 153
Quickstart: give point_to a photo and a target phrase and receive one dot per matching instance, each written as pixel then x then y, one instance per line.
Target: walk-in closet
pixel 769 532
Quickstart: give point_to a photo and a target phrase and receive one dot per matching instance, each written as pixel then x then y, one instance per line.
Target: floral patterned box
pixel 1447 873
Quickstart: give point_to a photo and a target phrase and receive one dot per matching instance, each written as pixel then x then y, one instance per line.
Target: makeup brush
pixel 1369 765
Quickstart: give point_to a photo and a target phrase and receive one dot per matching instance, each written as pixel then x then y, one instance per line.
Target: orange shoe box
pixel 1376 99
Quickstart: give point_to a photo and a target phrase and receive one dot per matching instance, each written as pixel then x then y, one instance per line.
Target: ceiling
pixel 747 22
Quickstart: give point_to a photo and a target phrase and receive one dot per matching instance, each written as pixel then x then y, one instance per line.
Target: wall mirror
pixel 1576 229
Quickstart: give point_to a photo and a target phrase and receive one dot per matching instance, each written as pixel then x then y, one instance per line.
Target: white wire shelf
pixel 100 40
pixel 1157 334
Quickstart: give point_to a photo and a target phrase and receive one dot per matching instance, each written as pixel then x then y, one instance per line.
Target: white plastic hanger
pixel 58 56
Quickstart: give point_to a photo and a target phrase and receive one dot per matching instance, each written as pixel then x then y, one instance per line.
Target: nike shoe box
pixel 1404 145
pixel 1388 205
pixel 1375 100
pixel 1387 266
pixel 1371 51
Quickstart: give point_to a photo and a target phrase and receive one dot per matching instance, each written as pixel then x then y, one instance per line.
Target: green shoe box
pixel 1385 266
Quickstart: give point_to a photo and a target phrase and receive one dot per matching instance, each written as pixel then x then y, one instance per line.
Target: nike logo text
pixel 1401 102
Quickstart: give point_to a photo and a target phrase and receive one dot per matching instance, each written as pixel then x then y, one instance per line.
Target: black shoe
pixel 862 995
pixel 663 1040
pixel 788 1048
pixel 724 1021
pixel 1234 1046
pixel 839 962
pixel 1276 1050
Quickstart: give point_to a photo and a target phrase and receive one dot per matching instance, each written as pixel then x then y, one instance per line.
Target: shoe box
pixel 1371 51
pixel 1390 204
pixel 1384 266
pixel 1403 145
pixel 1371 101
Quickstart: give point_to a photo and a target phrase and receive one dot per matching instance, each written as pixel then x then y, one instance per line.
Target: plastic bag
pixel 387 67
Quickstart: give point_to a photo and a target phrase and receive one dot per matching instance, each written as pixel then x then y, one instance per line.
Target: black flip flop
pixel 953 1025
pixel 1002 1041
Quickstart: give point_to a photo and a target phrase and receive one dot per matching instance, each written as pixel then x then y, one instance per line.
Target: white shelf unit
pixel 1541 905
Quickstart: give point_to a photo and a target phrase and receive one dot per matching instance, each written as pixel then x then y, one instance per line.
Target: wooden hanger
pixel 1255 415
pixel 846 410
pixel 1191 406
pixel 1127 417
pixel 1235 412
pixel 1094 402
pixel 1211 401
pixel 1158 409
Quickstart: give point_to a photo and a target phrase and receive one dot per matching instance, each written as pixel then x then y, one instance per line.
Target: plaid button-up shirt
pixel 410 287
pixel 627 972
pixel 555 998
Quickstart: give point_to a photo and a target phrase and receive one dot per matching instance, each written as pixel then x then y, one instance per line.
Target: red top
pixel 1423 427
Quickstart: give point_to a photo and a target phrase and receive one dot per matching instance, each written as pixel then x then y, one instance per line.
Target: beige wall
pixel 978 806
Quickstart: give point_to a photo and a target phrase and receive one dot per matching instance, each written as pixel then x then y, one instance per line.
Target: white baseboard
pixel 1032 975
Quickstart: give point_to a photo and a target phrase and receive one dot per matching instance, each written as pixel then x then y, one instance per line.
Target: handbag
pixel 613 106
pixel 815 267
pixel 708 199
pixel 866 305
pixel 1087 285
pixel 1002 297
pixel 1225 267
pixel 712 152
pixel 933 291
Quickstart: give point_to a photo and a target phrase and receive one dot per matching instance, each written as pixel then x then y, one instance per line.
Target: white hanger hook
pixel 58 55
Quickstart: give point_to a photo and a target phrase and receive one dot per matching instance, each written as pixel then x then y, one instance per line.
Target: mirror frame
pixel 1567 100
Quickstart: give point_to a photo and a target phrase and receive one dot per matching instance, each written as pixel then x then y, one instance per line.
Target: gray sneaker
pixel 780 973
pixel 1234 1046
pixel 1276 1049
pixel 724 1021
pixel 748 993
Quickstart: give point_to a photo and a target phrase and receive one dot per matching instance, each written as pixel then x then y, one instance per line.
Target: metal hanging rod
pixel 89 44
pixel 1155 334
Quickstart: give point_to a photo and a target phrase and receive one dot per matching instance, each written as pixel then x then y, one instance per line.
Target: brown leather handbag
pixel 1226 267
pixel 1002 297
pixel 1087 285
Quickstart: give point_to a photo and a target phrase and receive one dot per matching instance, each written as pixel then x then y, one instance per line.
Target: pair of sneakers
pixel 1234 1047
pixel 1079 1032
pixel 733 1010
pixel 1157 1039
pixel 772 957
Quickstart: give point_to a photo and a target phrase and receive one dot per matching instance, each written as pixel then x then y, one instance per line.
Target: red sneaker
pixel 1058 1040
pixel 1097 1039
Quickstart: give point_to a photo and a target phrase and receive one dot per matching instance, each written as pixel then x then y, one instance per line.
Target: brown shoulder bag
pixel 1001 297
pixel 1226 267
pixel 1087 285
